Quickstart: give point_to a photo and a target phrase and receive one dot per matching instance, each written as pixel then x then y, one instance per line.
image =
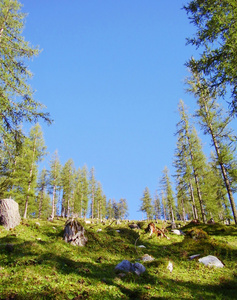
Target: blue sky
pixel 111 74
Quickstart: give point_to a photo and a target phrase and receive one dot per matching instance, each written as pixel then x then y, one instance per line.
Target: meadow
pixel 36 263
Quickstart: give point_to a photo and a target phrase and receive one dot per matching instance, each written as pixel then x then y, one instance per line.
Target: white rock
pixel 211 261
pixel 170 266
pixel 177 232
pixel 141 246
pixel 98 230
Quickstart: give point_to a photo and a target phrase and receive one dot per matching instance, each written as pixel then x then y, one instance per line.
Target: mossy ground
pixel 42 266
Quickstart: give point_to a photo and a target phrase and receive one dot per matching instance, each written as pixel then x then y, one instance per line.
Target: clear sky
pixel 111 74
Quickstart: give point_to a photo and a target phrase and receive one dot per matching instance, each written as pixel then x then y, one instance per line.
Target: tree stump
pixel 74 233
pixel 9 213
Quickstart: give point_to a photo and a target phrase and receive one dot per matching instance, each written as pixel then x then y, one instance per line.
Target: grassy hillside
pixel 35 263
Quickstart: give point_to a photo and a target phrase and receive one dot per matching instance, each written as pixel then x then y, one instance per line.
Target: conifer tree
pixel 16 97
pixel 54 179
pixel 216 35
pixel 197 158
pixel 169 195
pixel 42 186
pixel 216 124
pixel 35 150
pixel 92 189
pixel 67 182
pixel 98 201
pixel 109 210
pixel 123 208
pixel 183 167
pixel 81 198
pixel 147 204
pixel 157 206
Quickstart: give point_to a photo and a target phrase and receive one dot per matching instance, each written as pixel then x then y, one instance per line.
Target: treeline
pixel 61 190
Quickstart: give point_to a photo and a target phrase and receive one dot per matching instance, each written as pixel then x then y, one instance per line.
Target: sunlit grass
pixel 40 265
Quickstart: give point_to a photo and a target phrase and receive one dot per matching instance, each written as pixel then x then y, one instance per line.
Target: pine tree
pixel 147 204
pixel 16 97
pixel 214 123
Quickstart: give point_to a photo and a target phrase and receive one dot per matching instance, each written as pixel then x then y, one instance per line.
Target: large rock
pixel 74 233
pixel 126 266
pixel 211 261
pixel 9 213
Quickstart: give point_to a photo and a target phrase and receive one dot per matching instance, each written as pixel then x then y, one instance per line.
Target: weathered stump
pixel 9 213
pixel 74 233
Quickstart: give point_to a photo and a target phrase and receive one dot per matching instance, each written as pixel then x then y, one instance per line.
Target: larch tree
pixel 42 186
pixel 123 208
pixel 109 210
pixel 183 170
pixel 34 153
pixel 81 197
pixel 67 183
pixel 146 205
pixel 215 22
pixel 168 193
pixel 92 189
pixel 16 96
pixel 194 150
pixel 54 180
pixel 98 201
pixel 157 206
pixel 216 124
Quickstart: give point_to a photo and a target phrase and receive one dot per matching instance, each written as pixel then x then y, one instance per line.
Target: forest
pixel 191 218
pixel 201 188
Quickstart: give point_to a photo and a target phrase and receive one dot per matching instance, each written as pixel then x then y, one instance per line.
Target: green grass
pixel 43 266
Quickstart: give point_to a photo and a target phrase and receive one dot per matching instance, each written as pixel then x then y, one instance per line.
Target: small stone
pixel 147 257
pixel 141 246
pixel 194 256
pixel 170 267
